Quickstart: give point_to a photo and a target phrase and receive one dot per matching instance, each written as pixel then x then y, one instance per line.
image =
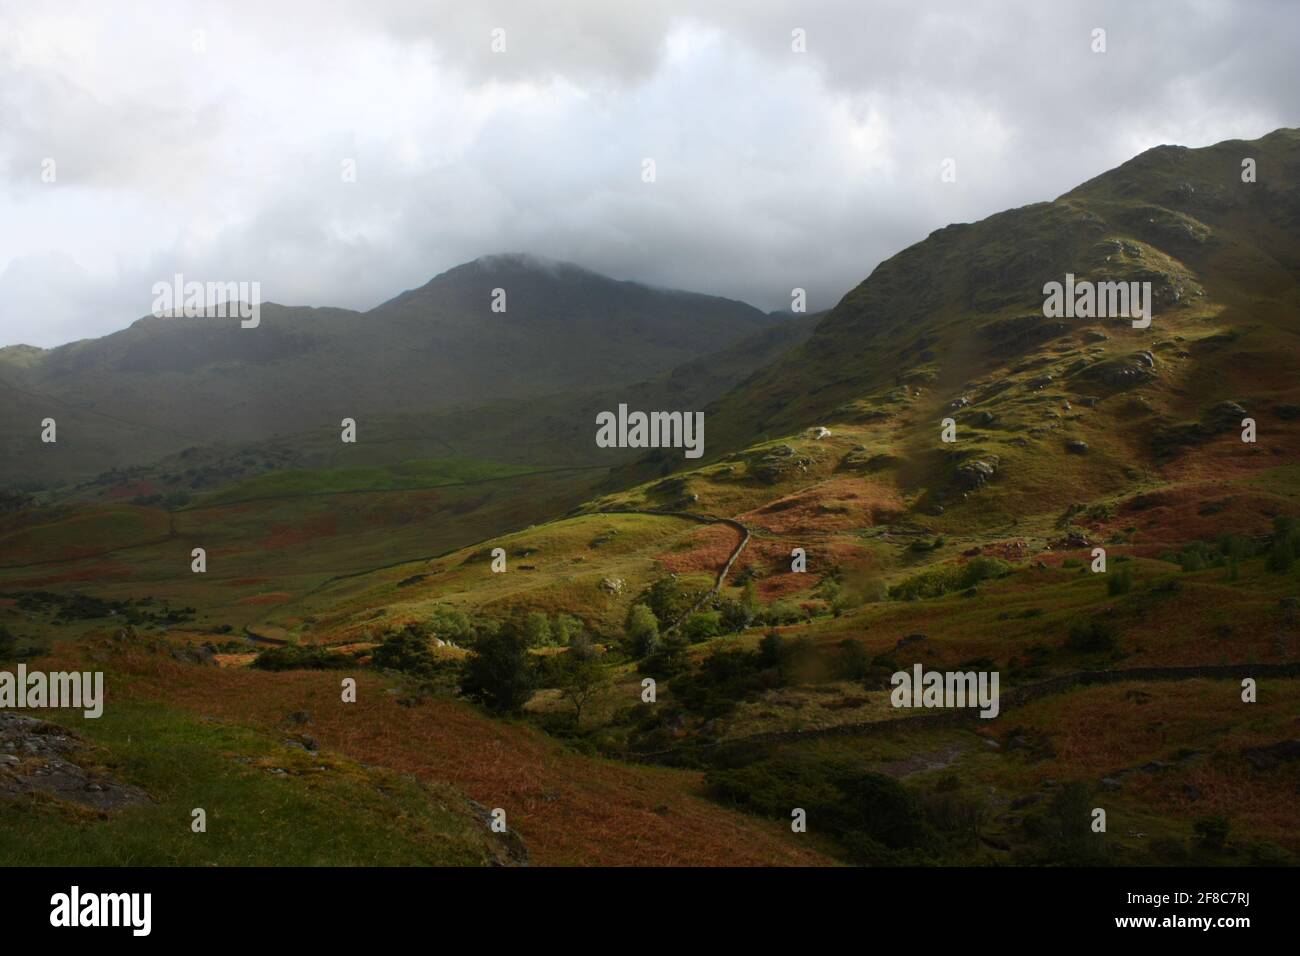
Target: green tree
pixel 771 649
pixel 642 630
pixel 408 651
pixel 668 660
pixel 664 597
pixel 565 628
pixel 537 629
pixel 582 679
pixel 500 673
pixel 452 625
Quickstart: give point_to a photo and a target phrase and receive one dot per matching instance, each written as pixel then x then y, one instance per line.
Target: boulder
pixel 977 472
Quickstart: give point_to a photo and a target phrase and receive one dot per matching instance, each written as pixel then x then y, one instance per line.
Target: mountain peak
pixel 519 263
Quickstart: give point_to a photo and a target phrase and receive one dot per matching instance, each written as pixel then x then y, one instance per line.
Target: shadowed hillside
pixel 167 383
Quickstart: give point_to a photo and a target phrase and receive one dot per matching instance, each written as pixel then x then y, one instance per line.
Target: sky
pixel 794 144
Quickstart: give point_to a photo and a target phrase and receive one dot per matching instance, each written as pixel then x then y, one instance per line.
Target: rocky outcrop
pixel 976 473
pixel 1130 372
pixel 41 758
pixel 778 464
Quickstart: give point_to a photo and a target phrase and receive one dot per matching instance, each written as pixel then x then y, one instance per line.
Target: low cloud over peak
pixel 229 157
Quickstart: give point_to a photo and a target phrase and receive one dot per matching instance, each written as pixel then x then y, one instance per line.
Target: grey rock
pixel 977 472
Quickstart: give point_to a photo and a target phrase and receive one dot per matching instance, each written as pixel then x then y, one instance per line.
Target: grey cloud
pixel 775 169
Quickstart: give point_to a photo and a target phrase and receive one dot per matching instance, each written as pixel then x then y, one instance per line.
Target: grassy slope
pixel 261 553
pixel 568 808
pixel 267 804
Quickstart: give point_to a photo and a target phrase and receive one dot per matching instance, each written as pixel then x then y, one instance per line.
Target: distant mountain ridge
pixel 164 383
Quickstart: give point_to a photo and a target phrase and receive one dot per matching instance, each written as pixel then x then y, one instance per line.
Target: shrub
pixel 301 657
pixel 1211 831
pixel 831 590
pixel 852 662
pixel 732 615
pixel 949 810
pixel 1063 829
pixel 1195 558
pixel 722 680
pixel 1097 634
pixel 869 813
pixel 784 612
pixel 771 649
pixel 938 581
pixel 1281 556
pixel 1120 582
pixel 1235 546
pixel 702 626
pixel 1284 546
pixel 668 660
pixel 749 605
pixel 882 808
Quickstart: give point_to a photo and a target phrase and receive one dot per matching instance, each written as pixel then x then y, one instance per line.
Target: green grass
pixel 342 815
pixel 406 476
pixel 554 567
